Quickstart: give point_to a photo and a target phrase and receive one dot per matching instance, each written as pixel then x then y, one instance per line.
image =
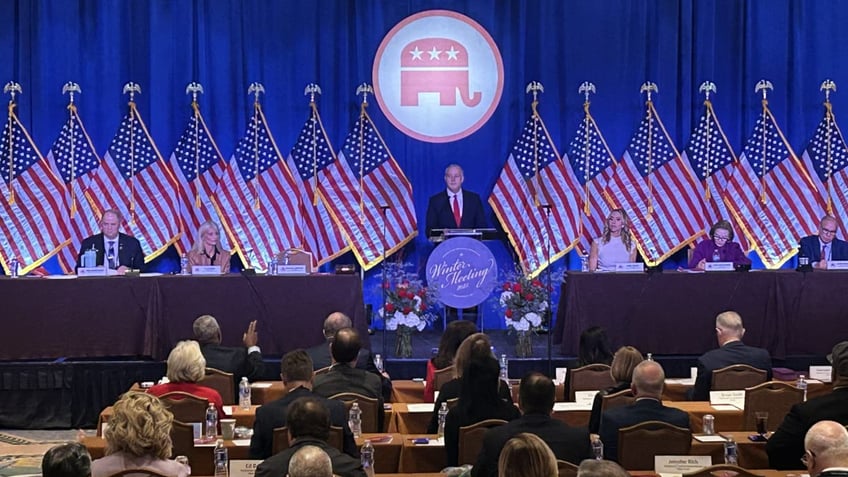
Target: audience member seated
pixel 732 350
pixel 296 373
pixel 308 423
pixel 594 347
pixel 187 366
pixel 826 450
pixel 310 461
pixel 138 437
pixel 66 460
pixel 721 243
pixel 207 249
pixel 824 246
pixel 600 468
pixel 615 245
pixel 343 377
pixel 476 346
pixel 536 398
pixel 478 401
pixel 454 335
pixel 623 363
pixel 526 455
pixel 241 361
pixel 648 380
pixel 786 445
pixel 321 358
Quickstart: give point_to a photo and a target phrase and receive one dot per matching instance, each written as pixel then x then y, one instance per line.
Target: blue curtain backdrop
pixel 616 44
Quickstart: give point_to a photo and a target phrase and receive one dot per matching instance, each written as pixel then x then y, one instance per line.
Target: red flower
pixel 407 310
pixel 516 287
pixel 401 293
pixel 422 306
pixel 507 286
pixel 422 292
pixel 528 296
pixel 390 307
pixel 404 284
pixel 509 313
pixel 537 283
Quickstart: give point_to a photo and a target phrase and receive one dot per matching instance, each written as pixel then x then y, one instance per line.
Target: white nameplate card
pixel 420 407
pixel 837 265
pixel 291 270
pixel 205 270
pixel 822 373
pixel 560 375
pixel 243 467
pixel 733 398
pixel 585 398
pixel 630 267
pixel 684 464
pixel 718 267
pixel 92 271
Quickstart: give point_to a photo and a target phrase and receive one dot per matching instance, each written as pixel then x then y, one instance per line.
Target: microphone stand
pixel 547 209
pixel 384 287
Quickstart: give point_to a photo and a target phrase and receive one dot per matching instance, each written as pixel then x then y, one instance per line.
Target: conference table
pixel 786 312
pixel 145 316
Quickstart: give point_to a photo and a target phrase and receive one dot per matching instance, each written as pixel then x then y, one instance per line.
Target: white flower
pixel 543 305
pixel 505 296
pixel 533 318
pixel 520 325
pixel 411 320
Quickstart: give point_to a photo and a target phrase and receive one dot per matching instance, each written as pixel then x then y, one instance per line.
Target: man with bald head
pixel 824 247
pixel 826 450
pixel 310 461
pixel 647 386
pixel 731 350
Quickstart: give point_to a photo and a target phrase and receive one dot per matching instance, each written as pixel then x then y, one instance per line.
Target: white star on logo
pixel 452 53
pixel 434 53
pixel 416 53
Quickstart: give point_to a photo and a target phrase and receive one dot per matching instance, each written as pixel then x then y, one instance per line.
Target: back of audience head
pixel 648 380
pixel 296 366
pixel 206 330
pixel 308 417
pixel 839 364
pixel 475 345
pixel 594 347
pixel 186 363
pixel 66 460
pixel 825 446
pixel 452 338
pixel 536 394
pixel 624 362
pixel 310 461
pixel 140 425
pixel 478 391
pixel 334 322
pixel 526 455
pixel 729 327
pixel 345 346
pixel 600 468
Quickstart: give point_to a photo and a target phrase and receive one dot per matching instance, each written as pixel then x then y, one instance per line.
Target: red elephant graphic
pixel 435 65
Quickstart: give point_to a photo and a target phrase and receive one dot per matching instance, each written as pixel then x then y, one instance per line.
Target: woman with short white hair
pixel 187 366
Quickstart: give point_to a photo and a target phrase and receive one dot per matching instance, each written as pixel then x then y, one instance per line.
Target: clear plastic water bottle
pixel 272 266
pixel 598 449
pixel 244 394
pixel 184 265
pixel 366 455
pixel 443 415
pixel 13 267
pixel 716 256
pixel 730 451
pixel 378 362
pixel 584 263
pixel 355 420
pixel 650 357
pixel 211 422
pixel 504 362
pixel 221 459
pixel 802 385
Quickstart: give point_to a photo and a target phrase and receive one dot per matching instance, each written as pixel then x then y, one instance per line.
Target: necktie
pixel 111 255
pixel 456 215
pixel 824 253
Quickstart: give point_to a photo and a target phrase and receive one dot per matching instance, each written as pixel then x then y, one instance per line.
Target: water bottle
pixel 650 357
pixel 211 422
pixel 221 459
pixel 802 385
pixel 89 258
pixel 378 362
pixel 443 415
pixel 184 265
pixel 584 263
pixel 272 266
pixel 716 256
pixel 355 420
pixel 366 455
pixel 598 449
pixel 730 451
pixel 244 394
pixel 505 372
pixel 13 267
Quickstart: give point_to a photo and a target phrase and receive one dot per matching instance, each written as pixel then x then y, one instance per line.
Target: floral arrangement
pixel 408 305
pixel 525 303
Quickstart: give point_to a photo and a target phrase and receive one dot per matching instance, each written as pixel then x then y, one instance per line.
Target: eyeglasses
pixel 828 231
pixel 722 238
pixel 808 457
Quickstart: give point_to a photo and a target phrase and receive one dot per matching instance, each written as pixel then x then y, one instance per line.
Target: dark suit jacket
pixel 568 443
pixel 278 465
pixel 640 411
pixel 735 352
pixel 595 415
pixel 341 378
pixel 450 390
pixel 811 247
pixel 233 359
pixel 440 212
pixel 129 250
pixel 786 445
pixel 321 359
pixel 273 415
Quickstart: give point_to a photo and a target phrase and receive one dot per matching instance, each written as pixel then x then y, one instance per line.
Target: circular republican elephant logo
pixel 438 76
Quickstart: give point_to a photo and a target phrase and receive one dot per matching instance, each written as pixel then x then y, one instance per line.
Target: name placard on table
pixel 243 467
pixel 821 373
pixel 719 267
pixel 727 398
pixel 837 265
pixel 630 267
pixel 92 272
pixel 680 464
pixel 290 270
pixel 205 270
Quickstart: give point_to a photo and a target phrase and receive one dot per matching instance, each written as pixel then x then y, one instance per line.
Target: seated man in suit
pixel 536 398
pixel 826 450
pixel 296 373
pixel 824 246
pixel 310 461
pixel 308 423
pixel 648 380
pixel 731 350
pixel 321 358
pixel 786 445
pixel 343 377
pixel 241 361
pixel 116 250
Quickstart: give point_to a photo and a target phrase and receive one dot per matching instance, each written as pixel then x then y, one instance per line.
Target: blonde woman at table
pixel 526 455
pixel 138 437
pixel 207 249
pixel 187 366
pixel 623 363
pixel 615 244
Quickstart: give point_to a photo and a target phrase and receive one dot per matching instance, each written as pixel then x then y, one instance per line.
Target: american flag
pixel 258 197
pixel 364 177
pixel 534 170
pixel 658 190
pixel 32 203
pixel 593 165
pixel 310 155
pixel 711 157
pixel 136 180
pixel 198 166
pixel 771 195
pixel 829 176
pixel 75 159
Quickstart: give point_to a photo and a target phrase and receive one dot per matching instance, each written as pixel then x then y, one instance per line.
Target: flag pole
pixel 132 89
pixel 70 87
pixel 827 86
pixel 705 88
pixel 649 87
pixel 764 86
pixel 364 89
pixel 194 88
pixel 12 88
pixel 586 89
pixel 256 89
pixel 311 90
pixel 535 88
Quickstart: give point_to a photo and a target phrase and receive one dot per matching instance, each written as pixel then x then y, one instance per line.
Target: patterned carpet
pixel 21 451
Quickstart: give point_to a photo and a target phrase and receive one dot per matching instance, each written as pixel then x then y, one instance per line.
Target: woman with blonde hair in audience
pixel 624 361
pixel 138 437
pixel 207 249
pixel 187 366
pixel 527 455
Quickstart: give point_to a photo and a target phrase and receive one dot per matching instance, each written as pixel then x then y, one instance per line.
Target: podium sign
pixel 463 272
